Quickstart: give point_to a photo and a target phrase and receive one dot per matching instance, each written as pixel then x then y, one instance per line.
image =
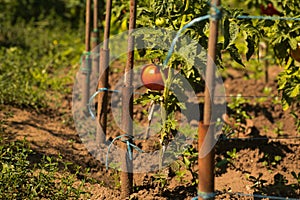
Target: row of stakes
pixel 206 164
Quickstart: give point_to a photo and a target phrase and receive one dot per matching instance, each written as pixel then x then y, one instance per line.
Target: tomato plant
pixel 283 37
pixel 172 16
pixel 238 41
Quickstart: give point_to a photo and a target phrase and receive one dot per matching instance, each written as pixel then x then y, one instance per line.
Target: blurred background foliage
pixel 40 45
pixel 41 41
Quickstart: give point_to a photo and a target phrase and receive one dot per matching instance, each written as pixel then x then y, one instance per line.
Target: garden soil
pixel 260 166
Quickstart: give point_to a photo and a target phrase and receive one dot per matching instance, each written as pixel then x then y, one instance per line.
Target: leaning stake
pixel 127 107
pixel 206 163
pixel 103 79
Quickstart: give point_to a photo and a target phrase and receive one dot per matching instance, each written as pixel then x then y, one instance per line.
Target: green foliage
pixel 229 158
pixel 279 129
pixel 237 107
pixel 16 80
pixel 282 36
pixel 297 121
pixel 297 177
pixel 271 160
pixel 232 154
pixel 173 15
pixel 258 182
pixel 34 61
pixel 185 164
pixel 289 85
pixel 161 179
pixel 46 12
pixel 22 179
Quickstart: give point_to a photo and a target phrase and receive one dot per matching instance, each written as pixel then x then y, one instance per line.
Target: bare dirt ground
pixel 256 169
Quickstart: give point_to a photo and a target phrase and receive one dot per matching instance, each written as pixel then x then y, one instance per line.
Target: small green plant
pixel 269 160
pixel 116 168
pixel 279 129
pixel 180 174
pixel 161 179
pixel 237 107
pixel 22 179
pixel 276 101
pixel 297 177
pixel 256 70
pixel 265 128
pixel 190 158
pixel 232 155
pixel 35 62
pixel 237 120
pixel 258 182
pixel 117 182
pixel 230 158
pixel 267 93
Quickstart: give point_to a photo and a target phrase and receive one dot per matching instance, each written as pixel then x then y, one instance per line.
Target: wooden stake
pixel 206 164
pixel 86 58
pixel 87 25
pixel 127 107
pixel 266 63
pixel 95 38
pixel 103 79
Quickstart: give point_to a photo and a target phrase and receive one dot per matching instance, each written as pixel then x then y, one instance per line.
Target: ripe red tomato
pixel 152 78
pixel 296 53
pixel 270 10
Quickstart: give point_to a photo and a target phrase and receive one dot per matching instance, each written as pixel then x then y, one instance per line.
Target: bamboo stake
pixel 206 163
pixel 86 60
pixel 127 107
pixel 103 79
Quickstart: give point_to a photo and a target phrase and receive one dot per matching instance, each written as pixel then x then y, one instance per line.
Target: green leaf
pixel 226 33
pixel 293 42
pixel 234 53
pixel 295 91
pixel 221 163
pixel 186 161
pixel 234 31
pixel 250 44
pixel 285 104
pixel 277 158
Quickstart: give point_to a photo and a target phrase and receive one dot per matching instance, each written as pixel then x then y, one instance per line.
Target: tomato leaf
pixel 226 33
pixel 234 53
pixel 250 45
pixel 295 91
pixel 293 43
pixel 234 31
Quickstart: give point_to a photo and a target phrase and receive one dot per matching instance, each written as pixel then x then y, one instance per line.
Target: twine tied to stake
pixel 94 95
pixel 129 146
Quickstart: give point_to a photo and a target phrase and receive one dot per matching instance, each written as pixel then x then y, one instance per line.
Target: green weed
pixel 22 179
